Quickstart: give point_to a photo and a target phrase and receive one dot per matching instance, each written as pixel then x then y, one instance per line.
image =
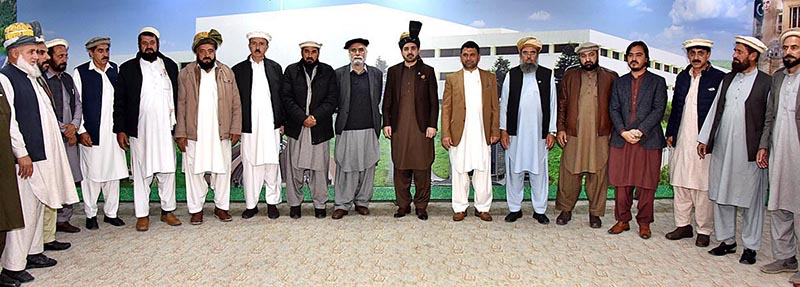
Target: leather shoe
pixel 56 246
pixel 363 210
pixel 564 217
pixel 113 221
pixel 422 214
pixel 39 261
pixel 723 249
pixel 222 214
pixel 272 211
pixel 320 213
pixel 294 212
pixel 541 218
pixel 748 257
pixel 702 240
pixel 459 216
pixel 21 276
pixel 401 212
pixel 66 227
pixel 619 227
pixel 170 219
pixel 91 223
pixel 680 233
pixel 644 232
pixel 338 214
pixel 513 216
pixel 6 281
pixel 485 216
pixel 249 213
pixel 197 218
pixel 143 223
pixel 595 222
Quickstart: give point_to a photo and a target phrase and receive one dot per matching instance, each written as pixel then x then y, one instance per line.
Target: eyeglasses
pixel 358 50
pixel 530 53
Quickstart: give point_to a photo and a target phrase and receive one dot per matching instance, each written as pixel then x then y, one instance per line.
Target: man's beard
pixel 357 61
pixel 405 58
pixel 58 68
pixel 149 55
pixel 589 66
pixel 788 63
pixel 43 67
pixel 206 66
pixel 29 69
pixel 310 62
pixel 738 67
pixel 528 67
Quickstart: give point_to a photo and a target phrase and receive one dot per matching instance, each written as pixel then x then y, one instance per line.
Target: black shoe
pixel 272 211
pixel 422 213
pixel 91 223
pixel 294 212
pixel 320 213
pixel 513 216
pixel 401 212
pixel 541 218
pixel 249 213
pixel 56 246
pixel 748 257
pixel 6 281
pixel 113 221
pixel 21 276
pixel 39 261
pixel 723 249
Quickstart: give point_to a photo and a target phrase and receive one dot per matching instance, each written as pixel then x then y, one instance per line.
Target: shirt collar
pixel 49 74
pixel 362 71
pixel 92 67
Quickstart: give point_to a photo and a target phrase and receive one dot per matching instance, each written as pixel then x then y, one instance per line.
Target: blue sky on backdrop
pixel 662 24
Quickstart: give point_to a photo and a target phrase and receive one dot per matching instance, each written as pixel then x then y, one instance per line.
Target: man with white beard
pixel 44 176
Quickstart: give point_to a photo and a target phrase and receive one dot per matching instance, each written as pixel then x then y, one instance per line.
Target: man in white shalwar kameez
pixel 527 129
pixel 103 162
pixel 44 176
pixel 144 116
pixel 259 80
pixel 731 132
pixel 469 127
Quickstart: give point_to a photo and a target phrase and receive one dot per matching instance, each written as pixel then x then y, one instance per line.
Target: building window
pixel 545 49
pixel 657 65
pixel 675 70
pixel 794 17
pixel 427 53
pixel 616 55
pixel 450 52
pixel 604 52
pixel 506 50
pixel 667 68
pixel 559 48
pixel 485 51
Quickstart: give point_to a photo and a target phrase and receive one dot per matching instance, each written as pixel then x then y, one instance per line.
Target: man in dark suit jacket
pixel 259 81
pixel 410 113
pixel 637 104
pixel 358 125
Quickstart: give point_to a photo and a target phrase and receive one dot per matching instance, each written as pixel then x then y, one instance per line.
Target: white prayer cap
pixel 152 30
pixel 57 42
pixel 311 44
pixel 752 42
pixel 259 34
pixel 789 33
pixel 697 42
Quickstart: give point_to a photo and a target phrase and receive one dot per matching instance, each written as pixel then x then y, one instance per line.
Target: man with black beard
pixel 584 130
pixel 69 112
pixel 209 122
pixel 144 116
pixel 310 96
pixel 736 180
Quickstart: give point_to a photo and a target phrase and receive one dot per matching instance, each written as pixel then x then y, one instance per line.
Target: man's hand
pixel 25 167
pixel 701 150
pixel 562 138
pixel 280 129
pixel 505 141
pixel 69 130
pixel 86 140
pixel 235 139
pixel 549 141
pixel 387 132
pixel 447 142
pixel 72 140
pixel 181 144
pixel 669 142
pixel 630 136
pixel 122 140
pixel 762 158
pixel 310 122
pixel 430 133
pixel 494 140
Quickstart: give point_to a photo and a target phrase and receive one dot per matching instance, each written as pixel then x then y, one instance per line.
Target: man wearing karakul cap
pixel 209 123
pixel 103 162
pixel 260 80
pixel 44 176
pixel 310 96
pixel 695 89
pixel 736 180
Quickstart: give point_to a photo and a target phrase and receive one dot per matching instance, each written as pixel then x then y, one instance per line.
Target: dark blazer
pixel 650 105
pixel 243 72
pixel 706 92
pixel 570 92
pixel 324 98
pixel 772 108
pixel 426 96
pixel 128 93
pixel 375 90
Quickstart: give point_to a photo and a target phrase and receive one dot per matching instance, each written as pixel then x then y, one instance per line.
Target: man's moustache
pixel 258 51
pixel 696 62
